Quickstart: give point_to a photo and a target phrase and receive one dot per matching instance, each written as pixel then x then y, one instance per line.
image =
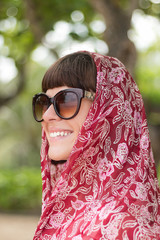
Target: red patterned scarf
pixel 108 188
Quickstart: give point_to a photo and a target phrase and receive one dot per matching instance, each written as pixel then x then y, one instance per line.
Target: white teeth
pixel 56 134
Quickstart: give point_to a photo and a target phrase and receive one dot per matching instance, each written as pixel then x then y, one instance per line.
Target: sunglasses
pixel 66 103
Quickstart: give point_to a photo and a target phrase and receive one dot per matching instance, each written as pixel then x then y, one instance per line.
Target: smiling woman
pixel 98 172
pixel 64 84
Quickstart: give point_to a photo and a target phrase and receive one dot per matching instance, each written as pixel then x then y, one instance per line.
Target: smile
pixel 59 134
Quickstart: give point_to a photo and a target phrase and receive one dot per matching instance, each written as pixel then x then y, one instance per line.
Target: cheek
pixel 76 125
pixel 85 107
pixel 78 121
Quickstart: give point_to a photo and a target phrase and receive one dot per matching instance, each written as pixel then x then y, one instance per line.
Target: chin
pixel 57 158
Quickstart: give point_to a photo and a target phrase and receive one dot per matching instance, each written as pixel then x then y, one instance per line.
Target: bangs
pixel 76 70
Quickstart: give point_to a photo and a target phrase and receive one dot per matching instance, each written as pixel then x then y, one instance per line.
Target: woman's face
pixel 60 146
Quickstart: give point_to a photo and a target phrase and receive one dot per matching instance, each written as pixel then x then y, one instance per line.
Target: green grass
pixel 20 190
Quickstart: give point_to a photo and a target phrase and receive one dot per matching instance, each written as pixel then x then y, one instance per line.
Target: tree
pixel 30 20
pixel 25 25
pixel 117 16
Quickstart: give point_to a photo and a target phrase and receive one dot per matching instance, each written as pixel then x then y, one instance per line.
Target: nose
pixel 50 114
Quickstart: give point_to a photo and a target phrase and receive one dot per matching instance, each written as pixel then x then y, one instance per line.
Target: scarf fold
pixel 108 188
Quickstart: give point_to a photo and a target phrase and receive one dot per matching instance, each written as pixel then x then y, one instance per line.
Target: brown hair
pixel 76 70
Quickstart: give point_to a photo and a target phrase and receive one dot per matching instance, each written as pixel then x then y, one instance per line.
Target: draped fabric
pixel 108 187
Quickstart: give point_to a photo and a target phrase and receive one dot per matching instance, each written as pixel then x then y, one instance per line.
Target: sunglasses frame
pixel 80 93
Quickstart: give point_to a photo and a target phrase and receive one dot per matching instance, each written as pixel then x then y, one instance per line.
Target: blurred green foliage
pixel 20 190
pixel 148 73
pixel 20 135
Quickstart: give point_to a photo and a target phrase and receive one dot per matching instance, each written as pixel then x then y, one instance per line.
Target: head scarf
pixel 108 187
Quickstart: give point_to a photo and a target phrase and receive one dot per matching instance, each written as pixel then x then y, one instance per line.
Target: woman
pixel 98 173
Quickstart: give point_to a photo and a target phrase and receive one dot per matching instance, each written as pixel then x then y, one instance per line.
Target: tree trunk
pixel 118 22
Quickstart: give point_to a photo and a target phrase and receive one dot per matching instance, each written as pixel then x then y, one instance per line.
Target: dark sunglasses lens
pixel 40 106
pixel 67 104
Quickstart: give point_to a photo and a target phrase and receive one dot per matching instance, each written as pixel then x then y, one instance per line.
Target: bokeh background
pixel 33 34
